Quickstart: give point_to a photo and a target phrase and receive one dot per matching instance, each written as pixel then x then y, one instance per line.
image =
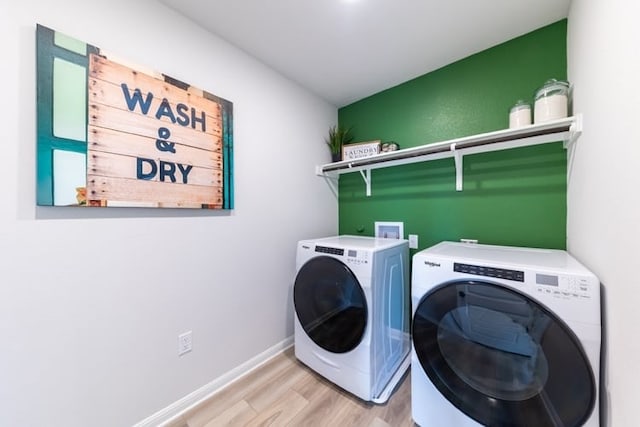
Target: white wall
pixel 92 301
pixel 603 196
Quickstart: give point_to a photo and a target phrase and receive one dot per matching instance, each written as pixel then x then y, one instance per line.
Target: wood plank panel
pixel 121 189
pixel 137 124
pixel 115 73
pixel 110 141
pixel 151 143
pixel 107 93
pixel 108 164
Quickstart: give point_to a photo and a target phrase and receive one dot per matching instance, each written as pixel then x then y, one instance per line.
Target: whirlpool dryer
pixel 504 336
pixel 352 302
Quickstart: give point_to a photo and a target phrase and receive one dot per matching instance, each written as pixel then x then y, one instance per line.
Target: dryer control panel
pixel 558 286
pixel 480 270
pixel 565 287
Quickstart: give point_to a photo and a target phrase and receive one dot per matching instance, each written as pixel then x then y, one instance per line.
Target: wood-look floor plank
pixel 318 411
pixel 281 412
pixel 348 412
pixel 285 392
pixel 178 422
pixel 237 415
pixel 237 390
pixel 397 411
pixel 310 386
pixel 377 422
pixel 263 396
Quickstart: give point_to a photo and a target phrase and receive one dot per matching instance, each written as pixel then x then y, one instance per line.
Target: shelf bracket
pixel 575 130
pixel 366 175
pixel 457 158
pixel 333 184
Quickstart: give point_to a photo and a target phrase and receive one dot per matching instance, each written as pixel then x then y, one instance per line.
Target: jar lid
pixel 553 87
pixel 520 105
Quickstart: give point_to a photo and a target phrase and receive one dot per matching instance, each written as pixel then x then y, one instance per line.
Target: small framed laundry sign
pixel 360 150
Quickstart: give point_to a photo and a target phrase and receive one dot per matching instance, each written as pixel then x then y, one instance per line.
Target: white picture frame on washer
pixel 389 230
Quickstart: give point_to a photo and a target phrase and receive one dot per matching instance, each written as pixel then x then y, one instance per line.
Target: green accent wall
pixel 511 197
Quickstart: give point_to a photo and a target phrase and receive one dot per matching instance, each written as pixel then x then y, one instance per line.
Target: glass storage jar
pixel 520 115
pixel 551 101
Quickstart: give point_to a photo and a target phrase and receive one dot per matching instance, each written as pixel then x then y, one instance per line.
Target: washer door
pixel 330 304
pixel 501 358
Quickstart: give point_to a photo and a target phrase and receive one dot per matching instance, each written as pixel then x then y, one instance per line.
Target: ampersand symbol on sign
pixel 162 144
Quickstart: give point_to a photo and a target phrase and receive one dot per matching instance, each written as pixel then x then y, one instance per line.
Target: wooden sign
pixel 153 141
pixel 149 141
pixel 360 150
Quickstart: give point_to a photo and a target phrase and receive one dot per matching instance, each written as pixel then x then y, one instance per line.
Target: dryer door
pixel 501 358
pixel 330 304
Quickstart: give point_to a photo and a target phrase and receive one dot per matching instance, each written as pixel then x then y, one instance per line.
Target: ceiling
pixel 346 50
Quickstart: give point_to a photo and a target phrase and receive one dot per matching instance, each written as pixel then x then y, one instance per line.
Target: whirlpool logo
pixel 431 264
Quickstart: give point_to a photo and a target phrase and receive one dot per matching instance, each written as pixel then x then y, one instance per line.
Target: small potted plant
pixel 338 136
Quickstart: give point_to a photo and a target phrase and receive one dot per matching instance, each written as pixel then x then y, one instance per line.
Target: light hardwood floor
pixel 284 392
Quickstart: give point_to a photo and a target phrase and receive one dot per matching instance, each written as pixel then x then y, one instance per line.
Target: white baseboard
pixel 173 411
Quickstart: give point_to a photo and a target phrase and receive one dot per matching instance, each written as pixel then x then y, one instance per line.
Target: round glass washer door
pixel 330 304
pixel 501 358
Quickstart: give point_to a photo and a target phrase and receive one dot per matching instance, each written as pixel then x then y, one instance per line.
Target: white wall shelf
pixel 566 130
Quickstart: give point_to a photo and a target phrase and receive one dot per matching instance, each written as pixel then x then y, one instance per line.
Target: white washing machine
pixel 352 301
pixel 504 336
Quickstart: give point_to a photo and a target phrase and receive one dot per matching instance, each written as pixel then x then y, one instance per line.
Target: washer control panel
pixel 355 257
pixel 351 256
pixel 330 250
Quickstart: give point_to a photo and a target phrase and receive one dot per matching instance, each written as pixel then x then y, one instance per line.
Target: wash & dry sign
pixel 150 140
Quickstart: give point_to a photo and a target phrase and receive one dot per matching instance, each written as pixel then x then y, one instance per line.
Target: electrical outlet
pixel 472 241
pixel 413 241
pixel 185 343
